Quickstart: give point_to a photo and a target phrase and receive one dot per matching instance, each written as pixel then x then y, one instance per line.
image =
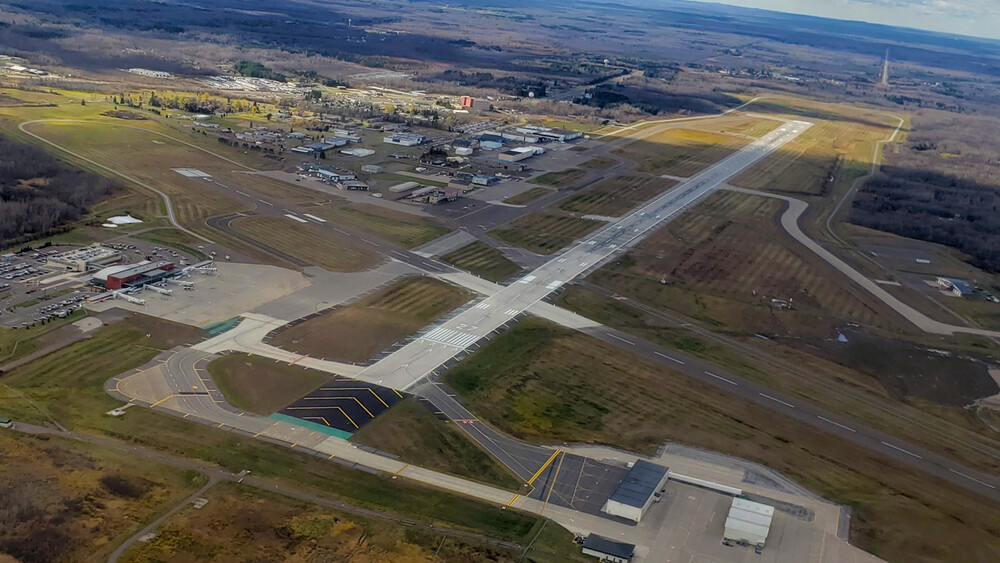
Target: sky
pixel 980 18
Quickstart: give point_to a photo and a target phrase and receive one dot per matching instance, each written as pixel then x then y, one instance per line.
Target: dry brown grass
pixel 359 331
pixel 680 152
pixel 544 233
pixel 616 196
pixel 307 242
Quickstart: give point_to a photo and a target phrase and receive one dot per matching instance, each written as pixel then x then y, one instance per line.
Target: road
pixel 790 222
pixel 408 365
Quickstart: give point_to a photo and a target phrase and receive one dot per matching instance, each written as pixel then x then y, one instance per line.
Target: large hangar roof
pixel 639 484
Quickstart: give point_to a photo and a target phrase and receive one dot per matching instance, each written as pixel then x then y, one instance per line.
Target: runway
pixel 408 365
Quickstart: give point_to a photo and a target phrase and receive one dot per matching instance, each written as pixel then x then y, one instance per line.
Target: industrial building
pixel 497 164
pixel 404 139
pixel 371 168
pixel 404 187
pixel 546 133
pixel 133 275
pixel 748 522
pixel 483 180
pixel 958 288
pixel 520 153
pixel 87 258
pixel 475 103
pixel 608 550
pixel 637 491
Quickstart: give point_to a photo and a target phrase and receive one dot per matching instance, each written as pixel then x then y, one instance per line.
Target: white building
pixel 404 139
pixel 748 522
pixel 150 73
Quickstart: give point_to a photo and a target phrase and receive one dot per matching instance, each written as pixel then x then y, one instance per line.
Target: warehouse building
pixel 637 491
pixel 87 258
pixel 497 164
pixel 546 133
pixel 133 275
pixel 520 153
pixel 608 550
pixel 748 522
pixel 404 139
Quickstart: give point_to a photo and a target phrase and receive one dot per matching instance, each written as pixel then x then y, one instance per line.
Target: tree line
pixel 934 207
pixel 40 194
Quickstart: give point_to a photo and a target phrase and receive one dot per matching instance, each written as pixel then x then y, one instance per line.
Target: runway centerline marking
pixel 973 479
pixel 824 419
pixel 909 453
pixel 616 337
pixel 729 381
pixel 671 358
pixel 777 400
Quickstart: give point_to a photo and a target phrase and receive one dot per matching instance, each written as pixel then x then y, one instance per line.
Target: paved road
pixel 790 222
pixel 410 364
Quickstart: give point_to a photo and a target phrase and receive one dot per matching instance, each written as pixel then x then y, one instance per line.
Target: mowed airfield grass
pixel 482 260
pixel 544 232
pixel 404 229
pixel 262 385
pixel 306 242
pixel 724 260
pixel 680 152
pixel 358 331
pixel 547 384
pixel 68 385
pixel 412 432
pixel 616 196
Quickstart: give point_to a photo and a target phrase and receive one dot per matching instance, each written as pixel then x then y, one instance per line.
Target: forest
pixel 40 194
pixel 935 207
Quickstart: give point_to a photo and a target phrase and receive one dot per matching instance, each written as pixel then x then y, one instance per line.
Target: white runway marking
pixel 777 400
pixel 314 218
pixel 527 279
pixel 824 419
pixel 191 172
pixel 294 218
pixel 483 305
pixel 983 483
pixel 267 203
pixel 512 312
pixel 720 378
pixel 671 358
pixel 244 194
pixel 553 284
pixel 629 342
pixel 902 450
pixel 451 337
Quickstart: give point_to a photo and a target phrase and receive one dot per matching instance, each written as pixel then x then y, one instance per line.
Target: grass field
pixel 737 125
pixel 402 228
pixel 527 196
pixel 359 331
pixel 19 342
pixel 550 384
pixel 54 490
pixel 599 163
pixel 285 529
pixel 483 260
pixel 724 261
pixel 544 233
pixel 307 242
pixel 828 153
pixel 69 385
pixel 412 432
pixel 616 196
pixel 560 179
pixel 262 385
pixel 680 152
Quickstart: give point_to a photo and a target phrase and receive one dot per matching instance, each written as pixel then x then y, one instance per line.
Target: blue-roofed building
pixel 637 491
pixel 608 550
pixel 958 288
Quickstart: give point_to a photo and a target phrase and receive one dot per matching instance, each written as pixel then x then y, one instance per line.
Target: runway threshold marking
pixel 776 400
pixel 824 419
pixel 671 358
pixel 983 483
pixel 729 381
pixel 907 452
pixel 543 467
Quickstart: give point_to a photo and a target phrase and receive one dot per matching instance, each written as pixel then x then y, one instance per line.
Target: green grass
pixel 527 196
pixel 69 385
pixel 19 342
pixel 549 384
pixel 309 243
pixel 560 179
pixel 262 385
pixel 402 228
pixel 412 432
pixel 483 260
pixel 544 233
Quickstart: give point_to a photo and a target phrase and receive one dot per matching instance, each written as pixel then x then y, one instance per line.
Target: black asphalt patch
pixel 344 404
pixel 577 482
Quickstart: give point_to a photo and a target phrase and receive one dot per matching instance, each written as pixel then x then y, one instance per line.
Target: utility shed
pixel 608 550
pixel 637 491
pixel 748 522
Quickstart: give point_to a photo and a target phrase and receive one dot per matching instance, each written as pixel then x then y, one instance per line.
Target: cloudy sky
pixel 966 17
